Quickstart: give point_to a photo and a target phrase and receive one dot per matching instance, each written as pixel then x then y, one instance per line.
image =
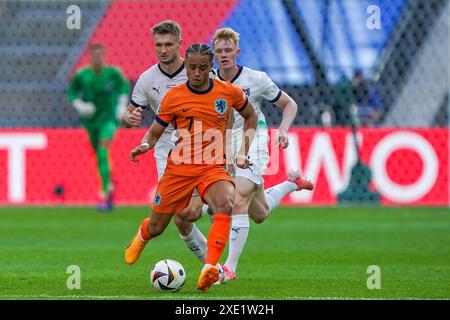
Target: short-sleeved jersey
pixel 258 87
pixel 153 85
pixel 102 89
pixel 200 118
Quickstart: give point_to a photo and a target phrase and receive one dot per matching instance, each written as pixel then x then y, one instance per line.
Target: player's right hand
pixel 134 118
pixel 140 149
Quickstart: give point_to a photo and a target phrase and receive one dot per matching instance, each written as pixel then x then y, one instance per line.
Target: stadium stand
pixel 38 52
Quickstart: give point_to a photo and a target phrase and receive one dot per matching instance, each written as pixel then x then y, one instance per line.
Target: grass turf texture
pixel 298 253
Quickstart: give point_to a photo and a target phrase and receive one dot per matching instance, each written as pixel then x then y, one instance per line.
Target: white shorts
pixel 162 149
pixel 258 156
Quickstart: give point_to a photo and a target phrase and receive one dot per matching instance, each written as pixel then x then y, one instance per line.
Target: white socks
pixel 196 242
pixel 204 209
pixel 278 192
pixel 238 236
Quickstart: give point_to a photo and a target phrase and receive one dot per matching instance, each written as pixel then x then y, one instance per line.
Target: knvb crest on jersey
pixel 221 105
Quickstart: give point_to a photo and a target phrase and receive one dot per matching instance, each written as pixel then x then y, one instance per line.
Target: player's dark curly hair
pixel 200 48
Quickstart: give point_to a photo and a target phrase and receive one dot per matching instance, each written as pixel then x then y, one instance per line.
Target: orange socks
pixel 217 238
pixel 144 230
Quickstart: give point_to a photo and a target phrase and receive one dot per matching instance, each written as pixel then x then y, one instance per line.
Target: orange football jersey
pixel 200 118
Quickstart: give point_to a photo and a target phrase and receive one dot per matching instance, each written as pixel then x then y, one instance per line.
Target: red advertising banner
pixel 409 166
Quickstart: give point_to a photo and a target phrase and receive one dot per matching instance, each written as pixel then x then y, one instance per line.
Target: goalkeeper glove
pixel 85 109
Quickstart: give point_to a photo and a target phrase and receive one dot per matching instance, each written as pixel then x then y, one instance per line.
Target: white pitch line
pixel 44 296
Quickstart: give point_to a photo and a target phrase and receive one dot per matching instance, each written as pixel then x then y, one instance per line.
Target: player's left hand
pixel 243 162
pixel 282 139
pixel 140 149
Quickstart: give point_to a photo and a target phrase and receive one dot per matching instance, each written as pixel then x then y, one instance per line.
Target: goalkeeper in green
pixel 99 93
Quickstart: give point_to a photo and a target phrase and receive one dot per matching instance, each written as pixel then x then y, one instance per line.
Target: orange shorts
pixel 174 191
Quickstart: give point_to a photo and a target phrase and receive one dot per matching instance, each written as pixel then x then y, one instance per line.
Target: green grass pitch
pixel 298 253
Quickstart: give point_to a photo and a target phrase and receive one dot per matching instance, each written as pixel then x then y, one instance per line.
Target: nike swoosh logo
pixel 184 110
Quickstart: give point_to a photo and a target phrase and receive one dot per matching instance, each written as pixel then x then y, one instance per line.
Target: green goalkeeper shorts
pixel 103 132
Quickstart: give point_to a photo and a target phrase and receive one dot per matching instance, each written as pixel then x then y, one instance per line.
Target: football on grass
pixel 167 276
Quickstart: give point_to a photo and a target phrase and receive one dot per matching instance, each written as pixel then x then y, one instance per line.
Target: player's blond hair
pixel 226 34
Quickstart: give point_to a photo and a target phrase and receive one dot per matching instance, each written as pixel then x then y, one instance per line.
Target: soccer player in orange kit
pixel 199 111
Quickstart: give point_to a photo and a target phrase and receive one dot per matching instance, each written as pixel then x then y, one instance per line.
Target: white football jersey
pixel 153 85
pixel 258 87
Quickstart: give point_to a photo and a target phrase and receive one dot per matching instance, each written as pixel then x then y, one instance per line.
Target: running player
pixel 148 92
pixel 251 199
pixel 198 109
pixel 99 93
